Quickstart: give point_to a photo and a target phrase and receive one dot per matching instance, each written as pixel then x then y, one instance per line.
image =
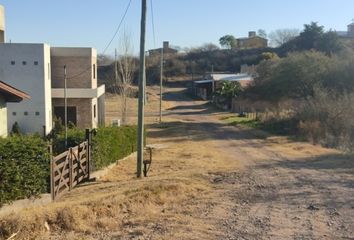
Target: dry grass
pixel 113 107
pixel 170 204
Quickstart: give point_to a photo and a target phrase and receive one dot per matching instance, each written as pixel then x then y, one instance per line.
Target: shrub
pixel 24 167
pixel 15 129
pixel 113 143
pixel 75 137
pixel 25 164
pixel 109 144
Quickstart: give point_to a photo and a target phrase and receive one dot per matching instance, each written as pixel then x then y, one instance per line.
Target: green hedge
pixel 24 167
pixel 113 143
pixel 109 143
pixel 25 164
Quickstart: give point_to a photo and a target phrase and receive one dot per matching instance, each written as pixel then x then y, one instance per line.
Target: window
pixel 37 114
pixel 94 71
pixel 24 63
pixel 13 62
pixel 25 113
pixel 13 113
pixel 59 113
pixel 35 63
pixel 94 111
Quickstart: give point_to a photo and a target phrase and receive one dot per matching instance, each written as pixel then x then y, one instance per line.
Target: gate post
pixel 52 174
pixel 70 159
pixel 88 137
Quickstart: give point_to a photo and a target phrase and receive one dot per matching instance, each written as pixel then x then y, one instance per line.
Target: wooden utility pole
pixel 161 79
pixel 115 66
pixel 213 83
pixel 140 151
pixel 212 73
pixel 65 109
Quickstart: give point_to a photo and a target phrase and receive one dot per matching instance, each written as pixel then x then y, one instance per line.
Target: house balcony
pixel 79 92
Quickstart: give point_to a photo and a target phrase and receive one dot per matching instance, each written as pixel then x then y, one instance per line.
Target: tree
pixel 126 67
pixel 228 41
pixel 281 36
pixel 262 33
pixel 329 43
pixel 270 56
pixel 293 77
pixel 103 59
pixel 311 34
pixel 208 47
pixel 230 90
pixel 15 129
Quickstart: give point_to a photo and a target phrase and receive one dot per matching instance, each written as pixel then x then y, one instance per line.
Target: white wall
pixel 2 24
pixel 3 118
pixel 30 78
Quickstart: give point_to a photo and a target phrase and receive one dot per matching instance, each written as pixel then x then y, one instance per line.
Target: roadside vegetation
pixel 25 161
pixel 310 91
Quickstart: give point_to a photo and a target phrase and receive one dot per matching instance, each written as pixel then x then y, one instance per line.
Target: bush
pixel 75 137
pixel 25 164
pixel 327 118
pixel 24 167
pixel 113 143
pixel 109 144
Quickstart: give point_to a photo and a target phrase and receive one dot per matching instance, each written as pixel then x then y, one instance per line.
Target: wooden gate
pixel 69 169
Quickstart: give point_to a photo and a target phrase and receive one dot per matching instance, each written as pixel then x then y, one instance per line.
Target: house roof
pixel 243 78
pixel 246 38
pixel 231 77
pixel 12 94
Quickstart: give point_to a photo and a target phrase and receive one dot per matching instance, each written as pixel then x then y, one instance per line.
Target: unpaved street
pixel 286 190
pixel 208 180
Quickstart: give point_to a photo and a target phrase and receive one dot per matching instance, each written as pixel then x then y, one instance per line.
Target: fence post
pixel 88 136
pixel 52 174
pixel 70 159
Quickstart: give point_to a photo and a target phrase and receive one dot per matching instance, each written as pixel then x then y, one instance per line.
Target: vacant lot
pixel 208 180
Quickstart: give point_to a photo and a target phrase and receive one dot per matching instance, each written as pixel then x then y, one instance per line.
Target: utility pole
pixel 161 79
pixel 65 109
pixel 213 83
pixel 115 66
pixel 141 91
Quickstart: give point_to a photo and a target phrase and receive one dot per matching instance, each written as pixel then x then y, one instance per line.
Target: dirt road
pixel 286 190
pixel 208 181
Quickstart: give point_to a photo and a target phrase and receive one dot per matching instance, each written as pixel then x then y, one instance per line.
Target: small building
pixel 8 94
pixel 252 41
pixel 349 34
pixel 166 49
pixel 204 88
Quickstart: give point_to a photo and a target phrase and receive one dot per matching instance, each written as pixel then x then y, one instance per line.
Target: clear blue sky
pixel 185 23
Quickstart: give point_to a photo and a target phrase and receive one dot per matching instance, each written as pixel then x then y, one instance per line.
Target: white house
pixel 8 94
pixel 38 70
pixel 27 67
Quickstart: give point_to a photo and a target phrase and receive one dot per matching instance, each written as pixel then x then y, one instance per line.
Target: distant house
pixel 8 94
pixel 252 41
pixel 204 88
pixel 85 100
pixel 166 50
pixel 349 34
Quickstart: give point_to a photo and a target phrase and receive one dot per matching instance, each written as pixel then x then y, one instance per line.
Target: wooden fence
pixel 70 168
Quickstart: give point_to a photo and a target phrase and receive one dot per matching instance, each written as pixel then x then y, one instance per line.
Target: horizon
pixel 83 21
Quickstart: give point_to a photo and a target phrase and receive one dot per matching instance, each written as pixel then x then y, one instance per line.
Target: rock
pixel 46 226
pixel 312 207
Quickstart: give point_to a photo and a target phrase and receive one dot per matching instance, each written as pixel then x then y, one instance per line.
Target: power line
pixel 120 24
pixel 153 22
pixel 110 42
